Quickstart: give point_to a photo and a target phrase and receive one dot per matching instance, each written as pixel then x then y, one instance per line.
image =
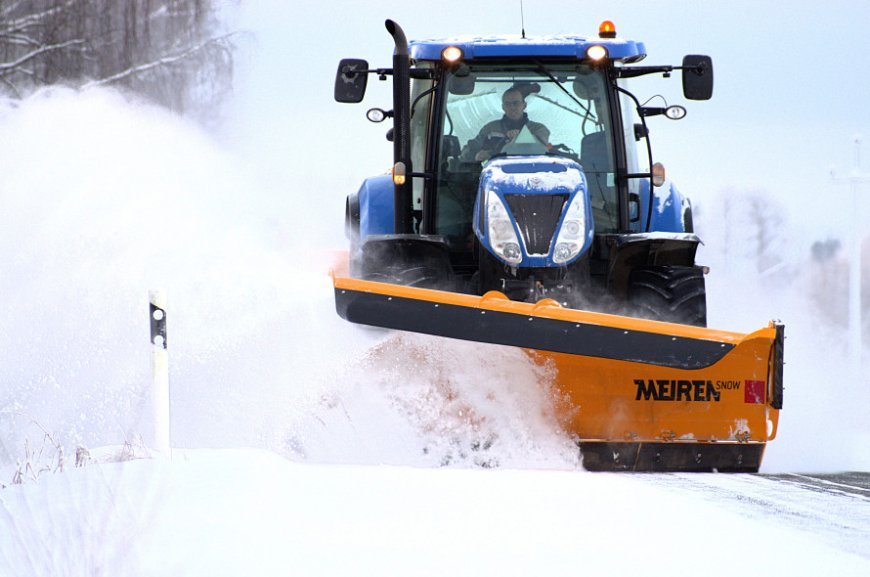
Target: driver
pixel 494 135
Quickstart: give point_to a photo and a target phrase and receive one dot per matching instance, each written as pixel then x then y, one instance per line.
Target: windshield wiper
pixel 548 74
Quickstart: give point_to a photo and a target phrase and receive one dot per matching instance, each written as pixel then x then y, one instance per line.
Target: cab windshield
pixel 492 111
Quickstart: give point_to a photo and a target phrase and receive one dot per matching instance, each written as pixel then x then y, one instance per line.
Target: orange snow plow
pixel 637 395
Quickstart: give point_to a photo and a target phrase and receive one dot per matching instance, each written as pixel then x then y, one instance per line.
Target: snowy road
pixel 835 507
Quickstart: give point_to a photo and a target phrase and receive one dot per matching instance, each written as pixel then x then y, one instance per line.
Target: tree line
pixel 171 51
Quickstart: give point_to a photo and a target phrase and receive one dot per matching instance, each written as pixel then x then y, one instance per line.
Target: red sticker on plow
pixel 754 392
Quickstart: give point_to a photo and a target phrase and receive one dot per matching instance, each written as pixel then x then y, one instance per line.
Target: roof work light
pixel 596 52
pixel 451 54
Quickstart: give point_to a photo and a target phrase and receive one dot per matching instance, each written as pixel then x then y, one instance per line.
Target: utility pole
pixel 855 178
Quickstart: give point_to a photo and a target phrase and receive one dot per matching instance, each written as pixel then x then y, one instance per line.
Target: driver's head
pixel 513 103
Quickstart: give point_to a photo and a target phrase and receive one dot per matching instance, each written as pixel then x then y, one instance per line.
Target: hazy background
pixel 104 197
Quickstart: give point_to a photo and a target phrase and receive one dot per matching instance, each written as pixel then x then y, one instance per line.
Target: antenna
pixel 522 19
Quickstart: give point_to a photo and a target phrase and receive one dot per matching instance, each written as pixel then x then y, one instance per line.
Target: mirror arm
pixel 379 71
pixel 421 73
pixel 647 111
pixel 426 175
pixel 635 71
pixel 700 68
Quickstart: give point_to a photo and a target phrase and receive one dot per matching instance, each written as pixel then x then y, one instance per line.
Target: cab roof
pixel 566 46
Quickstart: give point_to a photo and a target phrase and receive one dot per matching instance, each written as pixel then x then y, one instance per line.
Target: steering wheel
pixel 563 150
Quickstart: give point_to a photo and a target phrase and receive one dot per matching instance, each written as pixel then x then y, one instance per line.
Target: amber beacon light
pixel 607 29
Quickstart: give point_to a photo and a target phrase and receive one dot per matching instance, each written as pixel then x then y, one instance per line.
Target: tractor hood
pixel 533 211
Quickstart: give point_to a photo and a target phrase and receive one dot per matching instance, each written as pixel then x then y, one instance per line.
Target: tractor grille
pixel 537 216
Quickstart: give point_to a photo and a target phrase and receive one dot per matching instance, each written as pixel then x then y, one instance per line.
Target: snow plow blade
pixel 637 395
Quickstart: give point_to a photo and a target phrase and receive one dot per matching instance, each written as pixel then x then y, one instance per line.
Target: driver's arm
pixel 471 148
pixel 476 149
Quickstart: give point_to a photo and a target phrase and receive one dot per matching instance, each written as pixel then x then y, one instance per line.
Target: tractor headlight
pixel 512 252
pixel 502 236
pixel 572 228
pixel 571 235
pixel 564 251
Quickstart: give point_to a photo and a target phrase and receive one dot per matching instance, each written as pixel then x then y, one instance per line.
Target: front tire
pixel 674 294
pixel 408 260
pixel 413 276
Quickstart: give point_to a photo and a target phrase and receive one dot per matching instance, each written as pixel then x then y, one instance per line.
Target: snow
pixel 549 174
pixel 303 444
pixel 243 512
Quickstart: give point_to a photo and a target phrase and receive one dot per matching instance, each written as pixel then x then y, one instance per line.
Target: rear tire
pixel 674 294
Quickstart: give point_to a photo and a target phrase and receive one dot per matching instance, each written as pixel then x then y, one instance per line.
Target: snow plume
pixel 103 199
pixel 91 201
pixel 415 399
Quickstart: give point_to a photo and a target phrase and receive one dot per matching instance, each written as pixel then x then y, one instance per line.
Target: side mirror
pixel 350 80
pixel 697 77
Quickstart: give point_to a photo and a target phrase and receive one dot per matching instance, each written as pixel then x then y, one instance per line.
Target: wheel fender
pixel 375 198
pixel 351 217
pixel 669 210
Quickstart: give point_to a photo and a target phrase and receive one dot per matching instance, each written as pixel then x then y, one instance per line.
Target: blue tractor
pixel 523 203
pixel 556 201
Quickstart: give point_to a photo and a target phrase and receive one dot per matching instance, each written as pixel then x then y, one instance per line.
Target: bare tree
pixel 172 51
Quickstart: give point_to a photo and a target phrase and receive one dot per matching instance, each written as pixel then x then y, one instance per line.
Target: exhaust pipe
pixel 402 197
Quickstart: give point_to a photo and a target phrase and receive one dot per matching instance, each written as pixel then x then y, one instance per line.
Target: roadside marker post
pixel 160 372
